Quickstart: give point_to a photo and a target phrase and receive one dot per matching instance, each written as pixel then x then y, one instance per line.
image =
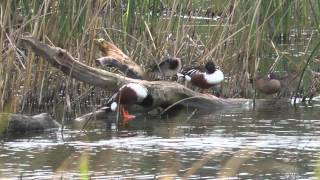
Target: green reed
pixel 146 31
pixel 241 43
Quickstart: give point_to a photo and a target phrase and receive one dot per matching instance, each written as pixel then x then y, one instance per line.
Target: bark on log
pixel 16 123
pixel 113 56
pixel 164 93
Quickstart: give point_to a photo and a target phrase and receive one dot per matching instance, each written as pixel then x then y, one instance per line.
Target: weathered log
pixel 17 123
pixel 113 56
pixel 263 105
pixel 164 93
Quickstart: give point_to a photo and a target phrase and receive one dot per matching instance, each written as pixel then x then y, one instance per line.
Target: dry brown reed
pixel 238 40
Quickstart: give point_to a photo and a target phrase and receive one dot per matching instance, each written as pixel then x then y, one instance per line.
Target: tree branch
pixel 164 93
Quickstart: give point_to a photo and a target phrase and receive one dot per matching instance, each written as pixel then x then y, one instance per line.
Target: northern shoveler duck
pixel 126 96
pixel 268 85
pixel 204 80
pixel 168 67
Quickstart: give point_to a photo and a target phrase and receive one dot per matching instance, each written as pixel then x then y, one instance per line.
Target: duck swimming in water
pixel 268 85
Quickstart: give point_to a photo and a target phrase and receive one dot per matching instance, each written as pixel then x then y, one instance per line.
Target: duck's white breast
pixel 142 92
pixel 215 77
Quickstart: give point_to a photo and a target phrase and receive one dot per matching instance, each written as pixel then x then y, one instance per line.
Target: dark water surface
pixel 272 142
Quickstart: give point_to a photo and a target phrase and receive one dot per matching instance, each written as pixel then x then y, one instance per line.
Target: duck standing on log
pixel 126 96
pixel 204 80
pixel 268 85
pixel 168 67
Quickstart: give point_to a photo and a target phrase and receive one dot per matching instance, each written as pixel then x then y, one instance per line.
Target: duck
pixel 168 67
pixel 204 80
pixel 268 85
pixel 126 96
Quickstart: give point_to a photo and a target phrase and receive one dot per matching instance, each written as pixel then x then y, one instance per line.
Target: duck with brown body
pixel 268 85
pixel 163 93
pixel 204 80
pixel 289 82
pixel 127 95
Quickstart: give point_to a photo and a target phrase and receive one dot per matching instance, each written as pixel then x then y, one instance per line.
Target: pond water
pixel 275 141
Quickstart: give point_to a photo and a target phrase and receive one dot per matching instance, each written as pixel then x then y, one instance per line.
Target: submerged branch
pixel 17 123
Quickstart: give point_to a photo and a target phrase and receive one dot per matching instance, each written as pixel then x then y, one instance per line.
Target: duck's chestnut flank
pixel 127 95
pixel 204 80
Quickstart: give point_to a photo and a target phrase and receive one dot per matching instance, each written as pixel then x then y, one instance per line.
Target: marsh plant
pixel 243 37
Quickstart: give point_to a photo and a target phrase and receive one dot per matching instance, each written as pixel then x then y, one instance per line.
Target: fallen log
pixel 17 123
pixel 114 57
pixel 164 93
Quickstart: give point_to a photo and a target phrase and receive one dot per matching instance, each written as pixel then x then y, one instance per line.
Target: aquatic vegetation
pixel 84 166
pixel 243 37
pixel 4 120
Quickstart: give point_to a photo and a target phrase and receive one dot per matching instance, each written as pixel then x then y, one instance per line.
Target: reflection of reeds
pixel 64 166
pixel 84 166
pixel 145 30
pixel 231 168
pixel 67 165
pixel 199 164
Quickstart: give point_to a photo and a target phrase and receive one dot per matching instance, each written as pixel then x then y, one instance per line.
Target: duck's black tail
pixel 187 73
pixel 108 101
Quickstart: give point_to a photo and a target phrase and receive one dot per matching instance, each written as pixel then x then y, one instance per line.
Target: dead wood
pixel 17 123
pixel 164 93
pixel 113 56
